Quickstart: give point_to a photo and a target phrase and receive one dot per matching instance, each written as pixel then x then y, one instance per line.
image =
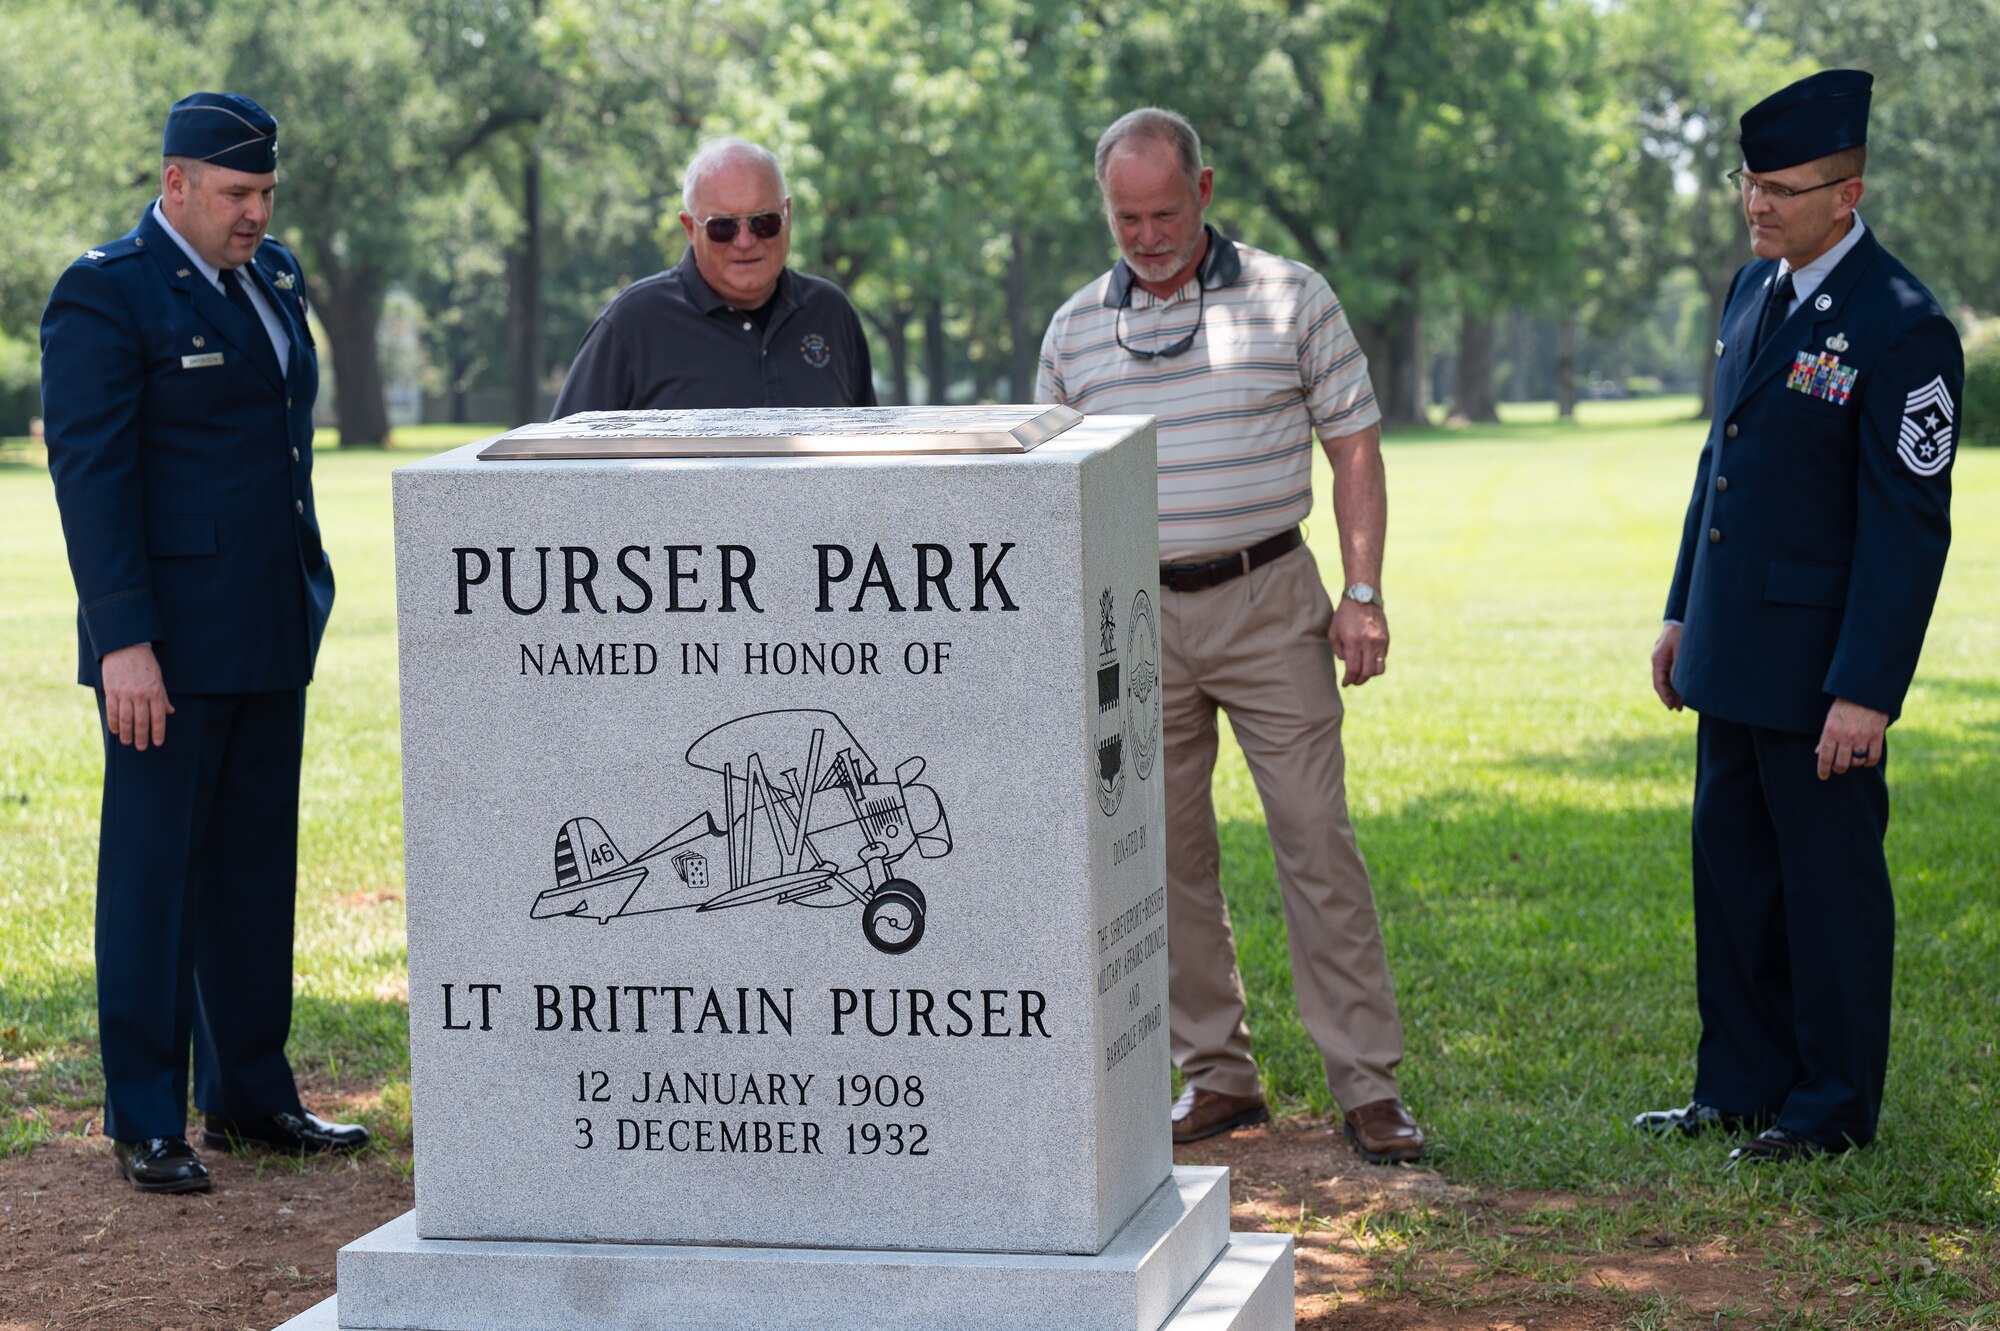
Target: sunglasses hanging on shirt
pixel 1173 348
pixel 763 226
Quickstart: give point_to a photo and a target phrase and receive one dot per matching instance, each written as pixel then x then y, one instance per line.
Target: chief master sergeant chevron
pixel 178 379
pixel 1809 562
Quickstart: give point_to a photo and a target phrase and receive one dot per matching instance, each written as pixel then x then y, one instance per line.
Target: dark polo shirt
pixel 668 341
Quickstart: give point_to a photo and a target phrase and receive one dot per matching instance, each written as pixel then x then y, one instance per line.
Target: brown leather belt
pixel 1199 577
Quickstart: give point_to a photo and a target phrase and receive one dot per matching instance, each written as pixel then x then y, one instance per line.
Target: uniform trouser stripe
pixel 197 860
pixel 1794 933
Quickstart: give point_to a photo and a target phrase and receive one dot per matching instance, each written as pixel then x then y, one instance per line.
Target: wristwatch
pixel 1362 594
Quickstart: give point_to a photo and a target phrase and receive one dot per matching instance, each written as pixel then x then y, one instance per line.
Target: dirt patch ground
pixel 1357 1266
pixel 83 1250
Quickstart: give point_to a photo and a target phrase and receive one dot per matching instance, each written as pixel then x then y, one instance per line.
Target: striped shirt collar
pixel 1220 268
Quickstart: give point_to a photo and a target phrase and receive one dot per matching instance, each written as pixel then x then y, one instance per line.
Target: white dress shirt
pixel 1806 280
pixel 281 341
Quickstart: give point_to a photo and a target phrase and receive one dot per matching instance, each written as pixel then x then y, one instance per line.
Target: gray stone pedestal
pixel 1175 1267
pixel 785 872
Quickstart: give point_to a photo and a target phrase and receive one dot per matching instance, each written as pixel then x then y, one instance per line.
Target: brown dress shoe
pixel 1202 1113
pixel 1384 1133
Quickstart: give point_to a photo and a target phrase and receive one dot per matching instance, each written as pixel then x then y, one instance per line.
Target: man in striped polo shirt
pixel 1243 356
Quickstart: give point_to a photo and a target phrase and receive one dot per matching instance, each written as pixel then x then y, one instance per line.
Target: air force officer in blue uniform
pixel 1809 563
pixel 178 379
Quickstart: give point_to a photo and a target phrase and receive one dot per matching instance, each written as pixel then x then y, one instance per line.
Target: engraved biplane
pixel 823 837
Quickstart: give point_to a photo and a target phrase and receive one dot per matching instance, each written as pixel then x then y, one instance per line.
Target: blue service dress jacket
pixel 1815 539
pixel 182 458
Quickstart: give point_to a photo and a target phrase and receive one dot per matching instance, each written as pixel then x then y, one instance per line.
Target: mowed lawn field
pixel 1521 796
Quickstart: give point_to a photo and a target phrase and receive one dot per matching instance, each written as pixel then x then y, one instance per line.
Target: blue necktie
pixel 1775 310
pixel 232 287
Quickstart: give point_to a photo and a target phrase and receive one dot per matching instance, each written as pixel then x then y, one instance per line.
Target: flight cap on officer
pixel 225 128
pixel 1818 116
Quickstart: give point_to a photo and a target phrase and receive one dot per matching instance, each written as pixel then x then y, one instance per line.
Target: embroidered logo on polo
pixel 1924 441
pixel 815 350
pixel 1822 376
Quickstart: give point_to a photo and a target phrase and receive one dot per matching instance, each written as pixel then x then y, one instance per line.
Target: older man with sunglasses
pixel 1244 357
pixel 730 325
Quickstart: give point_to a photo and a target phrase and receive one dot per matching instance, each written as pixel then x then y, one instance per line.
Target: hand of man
pixel 1665 652
pixel 1360 637
pixel 1853 736
pixel 135 696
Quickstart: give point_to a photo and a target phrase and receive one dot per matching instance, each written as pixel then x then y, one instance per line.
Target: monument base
pixel 1174 1267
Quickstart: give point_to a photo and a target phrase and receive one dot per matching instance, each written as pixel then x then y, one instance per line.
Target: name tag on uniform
pixel 201 362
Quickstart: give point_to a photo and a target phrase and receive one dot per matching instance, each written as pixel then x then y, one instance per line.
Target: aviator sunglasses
pixel 763 226
pixel 1172 349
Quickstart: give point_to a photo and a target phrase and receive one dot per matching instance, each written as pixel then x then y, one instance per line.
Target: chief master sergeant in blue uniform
pixel 1809 563
pixel 178 380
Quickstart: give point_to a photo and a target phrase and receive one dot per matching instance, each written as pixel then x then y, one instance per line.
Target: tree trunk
pixel 1472 395
pixel 1720 244
pixel 1565 367
pixel 937 353
pixel 351 312
pixel 1394 346
pixel 524 298
pixel 895 332
pixel 1718 297
pixel 1023 346
pixel 1526 344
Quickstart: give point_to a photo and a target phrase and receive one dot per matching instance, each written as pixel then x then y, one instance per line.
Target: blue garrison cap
pixel 1816 117
pixel 225 128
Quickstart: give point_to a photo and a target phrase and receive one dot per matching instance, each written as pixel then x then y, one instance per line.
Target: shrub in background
pixel 1981 426
pixel 20 384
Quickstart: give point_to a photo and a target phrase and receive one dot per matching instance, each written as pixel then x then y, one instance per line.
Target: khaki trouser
pixel 1257 647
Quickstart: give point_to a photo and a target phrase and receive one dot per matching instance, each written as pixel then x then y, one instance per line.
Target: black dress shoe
pixel 303 1133
pixel 1692 1120
pixel 1775 1146
pixel 160 1164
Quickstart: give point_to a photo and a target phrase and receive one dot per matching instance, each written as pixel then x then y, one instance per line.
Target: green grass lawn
pixel 1521 796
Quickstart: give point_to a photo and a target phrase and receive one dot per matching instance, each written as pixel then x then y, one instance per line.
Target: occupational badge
pixel 815 350
pixel 1822 376
pixel 1837 343
pixel 284 281
pixel 1110 709
pixel 1142 685
pixel 1924 441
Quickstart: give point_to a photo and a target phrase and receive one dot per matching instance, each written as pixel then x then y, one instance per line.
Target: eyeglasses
pixel 763 226
pixel 1776 193
pixel 1174 348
